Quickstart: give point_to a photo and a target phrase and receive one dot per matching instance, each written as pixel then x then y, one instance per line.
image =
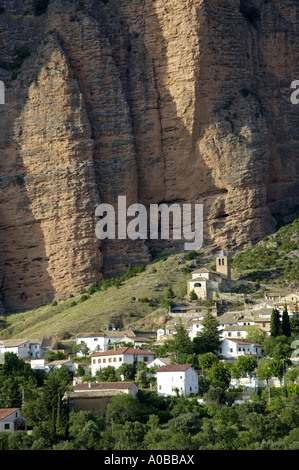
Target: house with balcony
pixel 232 348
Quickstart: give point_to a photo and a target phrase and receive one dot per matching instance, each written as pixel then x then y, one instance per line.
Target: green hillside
pixel 119 302
pixel 139 298
pixel 275 260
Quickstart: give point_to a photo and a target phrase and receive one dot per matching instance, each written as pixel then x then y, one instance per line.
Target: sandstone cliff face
pixel 159 100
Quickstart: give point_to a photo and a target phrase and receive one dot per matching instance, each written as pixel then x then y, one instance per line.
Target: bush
pixel 190 255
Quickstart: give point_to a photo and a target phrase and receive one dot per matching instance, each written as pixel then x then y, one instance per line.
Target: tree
pixel 263 371
pixel 108 374
pixel 181 344
pixel 206 360
pixel 244 365
pixel 286 327
pixel 208 340
pixel 144 375
pixel 275 326
pixel 276 368
pixel 193 295
pixel 219 374
pixel 170 293
pixel 127 371
pixel 128 436
pixel 277 347
pixel 84 430
pixel 124 408
pixel 256 334
pixel 294 320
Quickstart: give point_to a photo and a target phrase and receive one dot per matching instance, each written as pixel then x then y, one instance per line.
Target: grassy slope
pixel 95 313
pixel 275 260
pixel 273 263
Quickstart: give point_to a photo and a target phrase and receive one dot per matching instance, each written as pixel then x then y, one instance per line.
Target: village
pixel 94 352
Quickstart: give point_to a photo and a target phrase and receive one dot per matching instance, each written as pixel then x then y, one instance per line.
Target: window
pixel 6 426
pixel 120 359
pixel 145 359
pixel 99 361
pixel 93 361
pixel 114 359
pixel 104 360
pixel 109 359
pixel 95 339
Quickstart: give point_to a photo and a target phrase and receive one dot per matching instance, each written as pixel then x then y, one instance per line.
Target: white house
pixel 122 388
pixel 233 348
pixel 292 298
pixel 11 420
pixel 97 342
pixel 35 347
pixel 177 378
pixel 20 347
pixel 38 364
pixel 160 361
pixel 60 363
pixel 93 341
pixel 195 327
pixel 117 357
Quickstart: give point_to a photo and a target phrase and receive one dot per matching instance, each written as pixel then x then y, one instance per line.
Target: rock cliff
pixel 159 100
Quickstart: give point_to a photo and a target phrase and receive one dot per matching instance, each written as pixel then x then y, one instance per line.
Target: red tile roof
pixel 4 412
pixel 125 350
pixel 174 368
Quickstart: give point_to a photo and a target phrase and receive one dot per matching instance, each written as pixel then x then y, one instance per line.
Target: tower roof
pixel 222 253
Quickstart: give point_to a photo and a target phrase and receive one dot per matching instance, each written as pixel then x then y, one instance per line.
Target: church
pixel 205 282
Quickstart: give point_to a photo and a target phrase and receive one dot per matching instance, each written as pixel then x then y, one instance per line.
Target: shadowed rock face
pixel 161 101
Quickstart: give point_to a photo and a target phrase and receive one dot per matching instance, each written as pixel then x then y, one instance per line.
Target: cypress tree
pixel 275 326
pixel 286 327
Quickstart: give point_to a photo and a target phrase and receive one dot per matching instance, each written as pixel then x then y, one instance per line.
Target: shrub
pixel 190 255
pixel 193 295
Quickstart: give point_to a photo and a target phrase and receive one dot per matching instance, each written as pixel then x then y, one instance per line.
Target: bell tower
pixel 223 265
